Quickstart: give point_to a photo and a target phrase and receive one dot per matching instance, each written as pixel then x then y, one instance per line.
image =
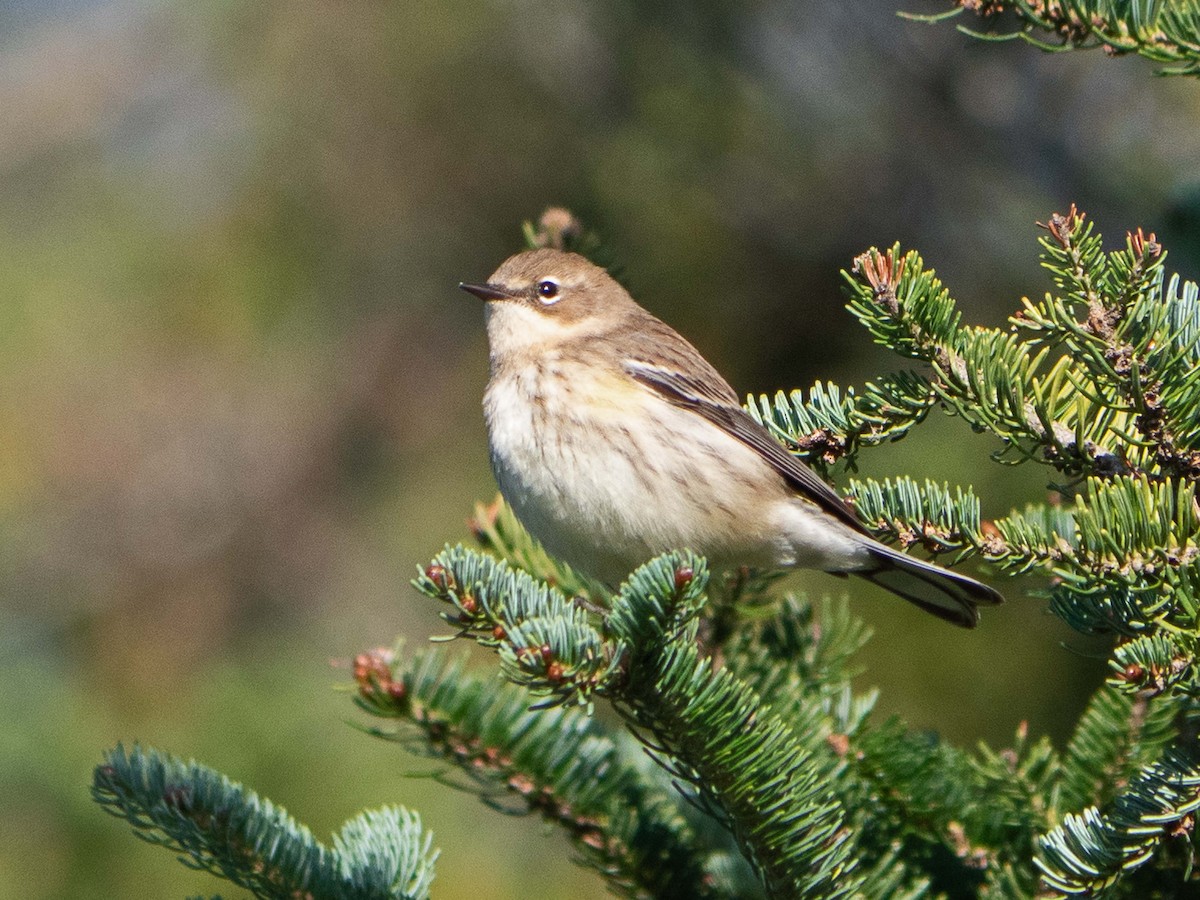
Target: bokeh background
pixel 239 392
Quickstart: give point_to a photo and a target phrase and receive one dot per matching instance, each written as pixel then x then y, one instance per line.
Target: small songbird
pixel 614 440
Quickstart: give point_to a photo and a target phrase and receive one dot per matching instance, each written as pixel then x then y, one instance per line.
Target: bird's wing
pixel 709 396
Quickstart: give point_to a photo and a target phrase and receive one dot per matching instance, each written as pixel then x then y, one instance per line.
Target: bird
pixel 614 440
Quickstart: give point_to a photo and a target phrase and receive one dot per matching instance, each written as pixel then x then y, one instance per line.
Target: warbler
pixel 614 440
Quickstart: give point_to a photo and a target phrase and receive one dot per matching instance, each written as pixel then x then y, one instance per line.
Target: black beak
pixel 486 291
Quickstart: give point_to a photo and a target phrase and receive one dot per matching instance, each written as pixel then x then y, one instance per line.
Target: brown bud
pixel 372 666
pixel 521 784
pixel 499 633
pixel 555 672
pixel 1132 672
pixel 593 839
pixel 1182 827
pixel 882 272
pixel 1145 246
pixel 373 672
pixel 437 574
pixel 362 666
pixel 683 577
pixel 547 653
pixel 469 605
pixel 557 227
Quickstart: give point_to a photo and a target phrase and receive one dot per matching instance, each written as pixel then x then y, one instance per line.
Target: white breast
pixel 605 495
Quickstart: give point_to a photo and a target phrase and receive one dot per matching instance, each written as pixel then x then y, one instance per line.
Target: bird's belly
pixel 607 475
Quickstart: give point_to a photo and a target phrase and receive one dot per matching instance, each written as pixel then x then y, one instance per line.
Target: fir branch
pixel 1125 552
pixel 559 764
pixel 1089 853
pixel 828 426
pixel 1075 258
pixel 1130 527
pixel 381 854
pixel 930 516
pixel 985 376
pixel 903 305
pixel 1132 542
pixel 741 757
pixel 891 877
pixel 911 791
pixel 743 595
pixel 813 646
pixel 1117 735
pixel 1115 402
pixel 1114 316
pixel 1151 665
pixel 968 823
pixel 801 660
pixel 1165 32
pixel 220 827
pixel 1162 393
pixel 1110 608
pixel 1011 808
pixel 1124 555
pixel 546 641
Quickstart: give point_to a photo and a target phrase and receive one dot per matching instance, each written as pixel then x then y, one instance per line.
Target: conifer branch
pixel 986 376
pixel 1165 32
pixel 928 516
pixel 809 644
pixel 707 726
pixel 828 426
pixel 547 642
pixel 220 827
pixel 1123 554
pixel 1011 810
pixel 912 791
pixel 968 822
pixel 559 764
pixel 801 659
pixel 742 758
pixel 1127 532
pixel 1113 403
pixel 1090 852
pixel 1116 736
pixel 1152 664
pixel 1113 315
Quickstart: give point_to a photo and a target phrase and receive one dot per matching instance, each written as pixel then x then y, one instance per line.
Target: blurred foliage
pixel 240 393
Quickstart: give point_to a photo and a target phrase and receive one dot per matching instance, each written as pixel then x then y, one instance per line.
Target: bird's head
pixel 541 298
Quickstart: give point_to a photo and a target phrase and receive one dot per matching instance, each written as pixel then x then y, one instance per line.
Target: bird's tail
pixel 943 593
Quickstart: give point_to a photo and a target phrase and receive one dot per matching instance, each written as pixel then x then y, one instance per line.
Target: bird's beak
pixel 486 291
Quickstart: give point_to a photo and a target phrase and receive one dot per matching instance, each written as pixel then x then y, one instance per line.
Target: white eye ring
pixel 548 292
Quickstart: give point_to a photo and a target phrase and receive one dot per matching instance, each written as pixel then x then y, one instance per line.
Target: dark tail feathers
pixel 943 593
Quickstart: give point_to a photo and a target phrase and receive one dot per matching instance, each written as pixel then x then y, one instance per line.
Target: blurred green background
pixel 239 391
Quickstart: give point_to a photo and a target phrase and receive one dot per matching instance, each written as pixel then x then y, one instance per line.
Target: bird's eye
pixel 548 291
